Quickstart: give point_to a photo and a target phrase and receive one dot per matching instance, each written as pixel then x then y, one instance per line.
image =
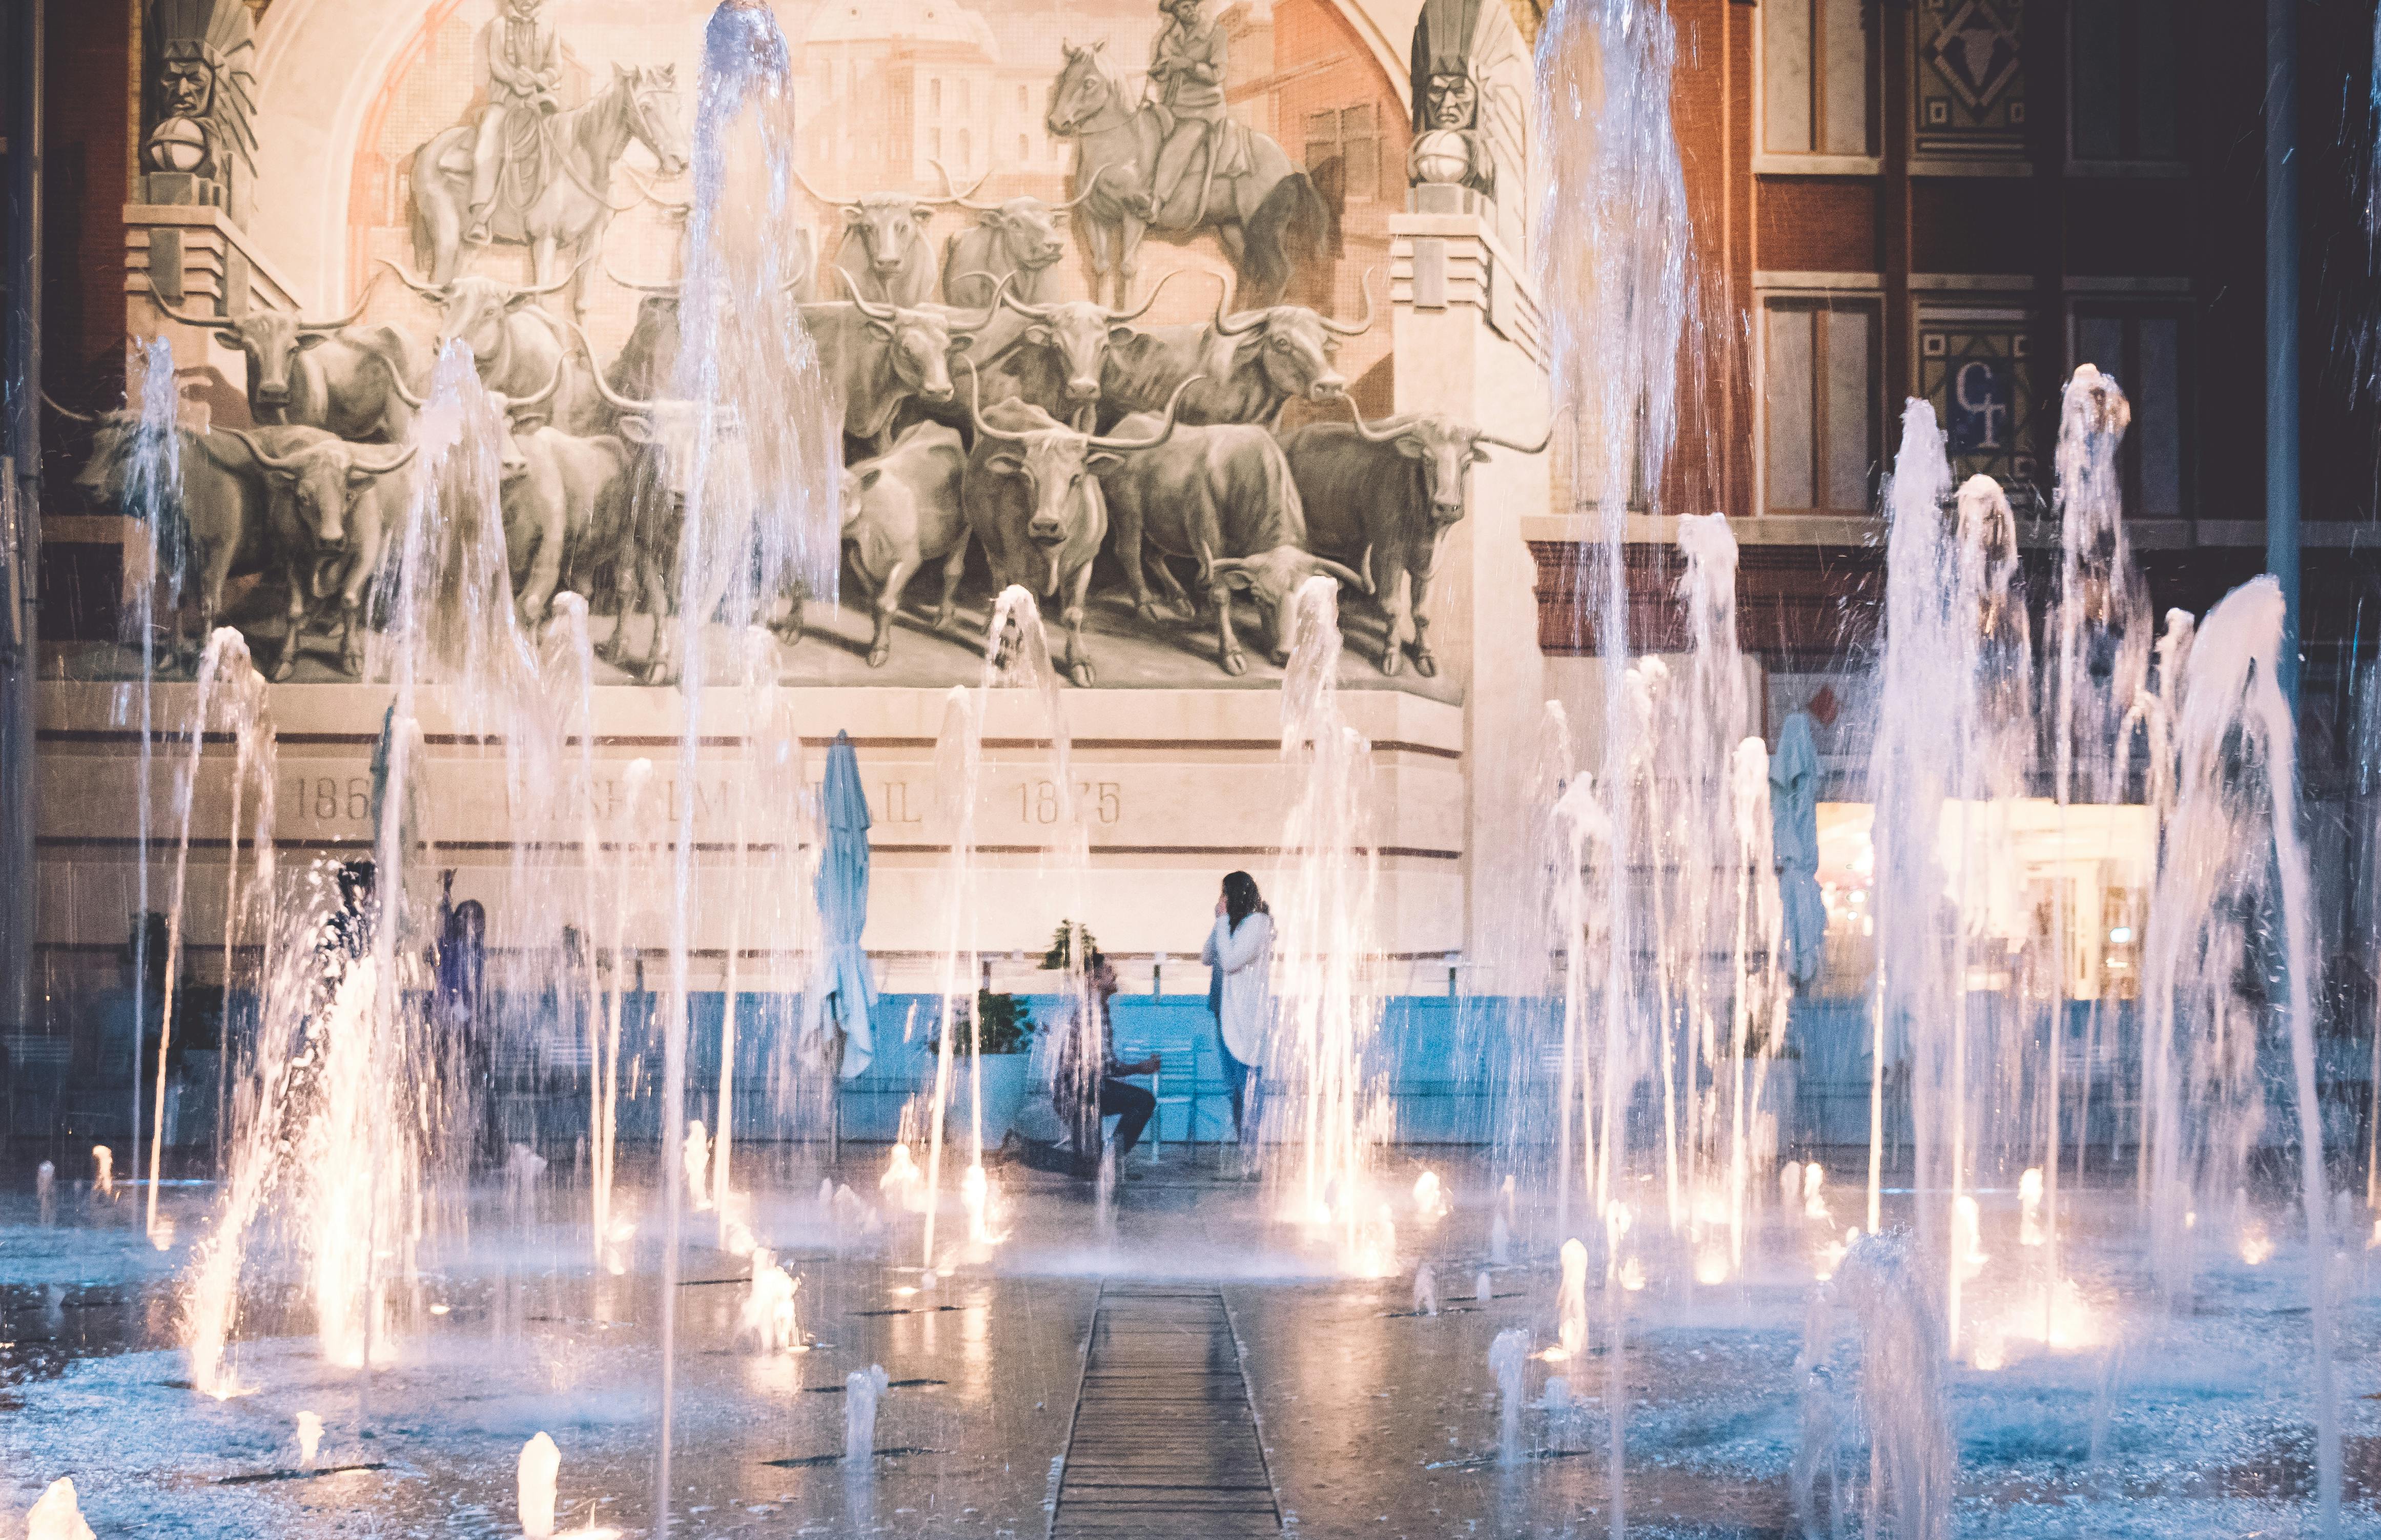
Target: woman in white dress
pixel 1240 950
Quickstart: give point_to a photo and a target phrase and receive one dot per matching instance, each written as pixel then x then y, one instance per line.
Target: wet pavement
pixel 1372 1420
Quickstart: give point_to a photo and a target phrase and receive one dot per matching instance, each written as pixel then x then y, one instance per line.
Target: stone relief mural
pixel 1162 227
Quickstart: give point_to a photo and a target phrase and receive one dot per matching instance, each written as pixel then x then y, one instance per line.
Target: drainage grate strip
pixel 1165 1440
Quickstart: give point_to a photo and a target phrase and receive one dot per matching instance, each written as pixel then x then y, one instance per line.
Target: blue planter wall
pixel 1474 1070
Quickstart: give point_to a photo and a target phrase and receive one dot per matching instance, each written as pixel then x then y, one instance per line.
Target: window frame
pixel 1375 189
pixel 2129 88
pixel 1817 162
pixel 1862 291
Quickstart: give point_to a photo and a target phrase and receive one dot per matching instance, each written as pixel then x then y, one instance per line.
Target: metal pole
pixel 2282 321
pixel 20 536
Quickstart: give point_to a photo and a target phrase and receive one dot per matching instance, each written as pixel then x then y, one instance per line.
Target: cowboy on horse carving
pixel 524 76
pixel 1169 162
pixel 1186 69
pixel 532 173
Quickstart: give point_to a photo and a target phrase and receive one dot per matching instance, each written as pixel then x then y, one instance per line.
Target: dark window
pixel 2123 74
pixel 2144 350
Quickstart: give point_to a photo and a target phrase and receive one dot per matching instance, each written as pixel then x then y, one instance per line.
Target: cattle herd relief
pixel 1149 480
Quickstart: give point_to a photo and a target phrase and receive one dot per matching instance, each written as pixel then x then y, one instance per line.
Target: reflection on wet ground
pixel 1373 1420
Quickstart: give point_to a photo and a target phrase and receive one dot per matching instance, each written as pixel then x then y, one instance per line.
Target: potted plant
pixel 1004 1035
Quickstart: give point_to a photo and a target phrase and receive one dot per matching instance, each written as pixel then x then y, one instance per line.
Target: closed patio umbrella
pixel 843 989
pixel 1794 829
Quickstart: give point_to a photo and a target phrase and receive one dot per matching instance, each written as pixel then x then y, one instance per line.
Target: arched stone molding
pixel 324 62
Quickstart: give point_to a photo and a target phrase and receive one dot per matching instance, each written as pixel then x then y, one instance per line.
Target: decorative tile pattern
pixel 1975 369
pixel 1969 91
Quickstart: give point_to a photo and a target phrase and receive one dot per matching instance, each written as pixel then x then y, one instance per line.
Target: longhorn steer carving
pixel 1254 364
pixel 876 357
pixel 900 512
pixel 1221 496
pixel 1383 493
pixel 1031 496
pixel 883 249
pixel 317 373
pixel 223 509
pixel 515 345
pixel 333 510
pixel 1015 239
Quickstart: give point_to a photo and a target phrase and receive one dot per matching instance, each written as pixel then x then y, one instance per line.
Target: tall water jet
pixel 2101 612
pixel 2234 850
pixel 639 854
pixel 1018 667
pixel 301 1112
pixel 358 1101
pixel 395 1113
pixel 1613 250
pixel 1707 889
pixel 959 773
pixel 1760 991
pixel 226 678
pixel 566 664
pixel 1575 832
pixel 772 897
pixel 746 457
pixel 2102 620
pixel 1711 914
pixel 1330 1007
pixel 1950 749
pixel 150 491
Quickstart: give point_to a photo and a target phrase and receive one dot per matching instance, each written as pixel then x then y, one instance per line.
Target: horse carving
pixel 564 202
pixel 1263 209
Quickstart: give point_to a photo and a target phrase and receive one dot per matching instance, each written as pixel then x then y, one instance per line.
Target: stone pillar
pixel 1468 347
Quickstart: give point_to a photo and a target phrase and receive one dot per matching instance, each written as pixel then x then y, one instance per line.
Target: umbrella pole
pixel 835 1102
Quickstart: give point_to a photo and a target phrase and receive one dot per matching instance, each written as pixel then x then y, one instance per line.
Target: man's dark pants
pixel 1131 1106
